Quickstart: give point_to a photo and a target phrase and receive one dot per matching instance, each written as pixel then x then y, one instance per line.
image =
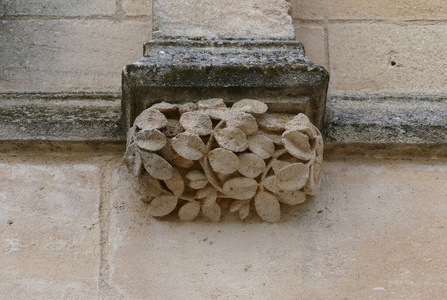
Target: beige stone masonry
pixel 366 9
pixel 388 58
pixel 314 40
pixel 376 231
pixel 49 230
pixel 57 8
pixel 61 55
pixel 137 7
pixel 223 19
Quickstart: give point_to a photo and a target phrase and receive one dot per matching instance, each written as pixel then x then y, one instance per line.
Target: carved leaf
pixel 188 145
pixel 284 196
pixel 223 161
pixel 302 123
pixel 189 211
pixel 236 205
pixel 250 106
pixel 261 145
pixel 162 205
pixel 313 182
pixel 173 128
pixel 232 139
pixel 170 155
pixel 212 212
pixel 215 108
pixel 208 195
pixel 274 121
pixel 271 184
pixel 245 122
pixel 176 184
pixel 244 210
pixel 251 165
pixel 150 140
pixel 165 107
pixel 277 165
pixel 211 103
pixel 150 119
pixel 267 207
pixel 297 144
pixel 133 160
pixel 130 135
pixel 240 188
pixel 292 197
pixel 148 185
pixel 293 176
pixel 187 107
pixel 198 179
pixel 156 166
pixel 319 146
pixel 197 122
pixel 275 137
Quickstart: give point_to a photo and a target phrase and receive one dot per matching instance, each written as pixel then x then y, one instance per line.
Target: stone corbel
pixel 195 138
pixel 189 158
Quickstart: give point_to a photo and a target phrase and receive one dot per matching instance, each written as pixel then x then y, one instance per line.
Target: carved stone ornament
pixel 189 158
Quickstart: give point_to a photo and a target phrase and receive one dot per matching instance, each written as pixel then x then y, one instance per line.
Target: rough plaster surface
pixel 376 230
pixel 49 229
pixel 223 19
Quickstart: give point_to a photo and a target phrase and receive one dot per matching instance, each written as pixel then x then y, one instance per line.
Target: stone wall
pixel 376 46
pixel 56 45
pixel 368 47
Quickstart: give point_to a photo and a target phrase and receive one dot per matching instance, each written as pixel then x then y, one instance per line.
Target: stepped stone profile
pixel 189 158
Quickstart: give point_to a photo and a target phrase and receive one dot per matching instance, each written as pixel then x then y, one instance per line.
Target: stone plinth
pixel 183 70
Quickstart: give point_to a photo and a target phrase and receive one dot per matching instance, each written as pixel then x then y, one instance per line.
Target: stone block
pixel 49 230
pixel 181 70
pixel 314 41
pixel 64 55
pixel 137 7
pixel 57 8
pixel 223 19
pixel 364 9
pixel 376 230
pixel 388 58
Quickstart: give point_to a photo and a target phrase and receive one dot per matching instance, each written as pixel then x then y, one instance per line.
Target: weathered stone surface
pixel 49 230
pixel 57 8
pixel 364 9
pixel 69 54
pixel 392 59
pixel 137 7
pixel 387 122
pixel 60 117
pixel 376 230
pixel 223 19
pixel 224 168
pixel 276 72
pixel 314 39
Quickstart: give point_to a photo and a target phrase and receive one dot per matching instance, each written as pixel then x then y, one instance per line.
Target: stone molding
pixel 178 70
pixel 191 158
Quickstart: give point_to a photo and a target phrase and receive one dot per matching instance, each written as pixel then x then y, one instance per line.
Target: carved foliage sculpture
pixel 189 157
